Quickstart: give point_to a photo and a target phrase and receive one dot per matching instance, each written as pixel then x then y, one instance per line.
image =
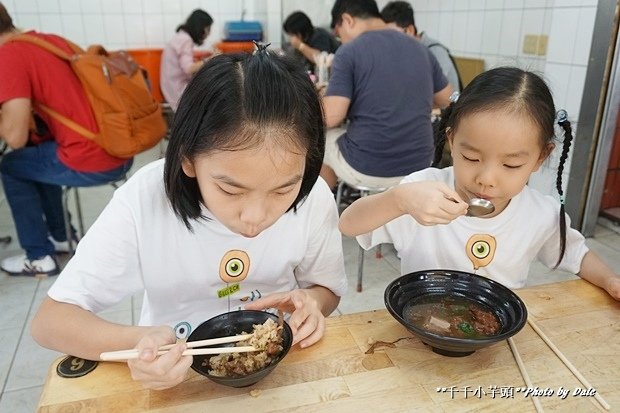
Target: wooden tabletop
pixel 335 375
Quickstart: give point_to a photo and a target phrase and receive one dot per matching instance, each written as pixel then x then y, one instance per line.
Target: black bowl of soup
pixel 455 312
pixel 242 369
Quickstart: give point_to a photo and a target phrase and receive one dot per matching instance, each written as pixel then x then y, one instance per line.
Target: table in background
pixel 336 375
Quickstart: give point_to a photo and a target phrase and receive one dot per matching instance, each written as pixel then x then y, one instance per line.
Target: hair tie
pixel 260 47
pixel 561 116
pixel 563 200
pixel 454 97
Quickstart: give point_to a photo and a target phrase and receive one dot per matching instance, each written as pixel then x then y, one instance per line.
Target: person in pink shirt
pixel 177 60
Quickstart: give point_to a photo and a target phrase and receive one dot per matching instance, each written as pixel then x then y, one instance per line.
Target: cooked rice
pixel 266 337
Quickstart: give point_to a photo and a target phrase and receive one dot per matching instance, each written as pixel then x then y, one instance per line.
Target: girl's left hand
pixel 307 321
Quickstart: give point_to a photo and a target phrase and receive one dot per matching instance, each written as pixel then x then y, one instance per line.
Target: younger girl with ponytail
pixel 499 131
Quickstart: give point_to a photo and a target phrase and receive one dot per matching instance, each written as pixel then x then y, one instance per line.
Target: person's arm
pixel 427 202
pixel 15 118
pixel 335 109
pixel 594 270
pixel 70 329
pixel 185 51
pixel 441 99
pixel 304 48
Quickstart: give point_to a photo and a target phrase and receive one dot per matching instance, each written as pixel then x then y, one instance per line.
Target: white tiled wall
pixel 122 24
pixel 492 30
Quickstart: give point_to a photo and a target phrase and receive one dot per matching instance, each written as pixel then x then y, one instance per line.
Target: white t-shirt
pixel 501 248
pixel 139 244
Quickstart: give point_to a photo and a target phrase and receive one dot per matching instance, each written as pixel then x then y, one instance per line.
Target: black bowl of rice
pixel 243 369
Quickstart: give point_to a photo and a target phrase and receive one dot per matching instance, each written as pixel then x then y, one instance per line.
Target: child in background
pixel 500 130
pixel 233 218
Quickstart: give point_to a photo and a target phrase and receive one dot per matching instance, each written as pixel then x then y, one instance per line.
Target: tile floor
pixel 23 364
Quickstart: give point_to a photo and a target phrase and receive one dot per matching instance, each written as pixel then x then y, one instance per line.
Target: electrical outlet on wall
pixel 530 44
pixel 541 48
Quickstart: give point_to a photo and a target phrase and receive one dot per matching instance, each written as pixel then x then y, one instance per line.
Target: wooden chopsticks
pixel 526 377
pixel 133 353
pixel 561 356
pixel 566 362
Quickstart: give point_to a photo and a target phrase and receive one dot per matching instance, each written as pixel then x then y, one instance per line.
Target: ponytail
pixel 562 120
pixel 440 134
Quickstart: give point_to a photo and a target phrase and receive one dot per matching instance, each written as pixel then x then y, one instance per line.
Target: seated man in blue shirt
pixel 387 105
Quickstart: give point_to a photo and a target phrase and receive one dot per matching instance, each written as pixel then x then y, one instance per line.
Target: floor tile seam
pixel 21 336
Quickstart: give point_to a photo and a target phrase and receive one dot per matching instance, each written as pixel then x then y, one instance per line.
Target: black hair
pixel 196 24
pixel 6 23
pixel 364 9
pixel 237 102
pixel 516 89
pixel 299 24
pixel 399 12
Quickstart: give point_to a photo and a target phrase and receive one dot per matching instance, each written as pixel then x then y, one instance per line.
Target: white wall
pixel 121 24
pixel 493 30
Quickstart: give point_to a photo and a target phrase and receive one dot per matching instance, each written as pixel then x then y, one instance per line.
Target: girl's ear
pixel 449 138
pixel 188 168
pixel 544 154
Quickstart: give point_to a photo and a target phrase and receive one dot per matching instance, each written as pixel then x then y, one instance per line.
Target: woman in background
pixel 177 61
pixel 307 39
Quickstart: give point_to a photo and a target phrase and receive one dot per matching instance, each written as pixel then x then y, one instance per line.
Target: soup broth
pixel 453 317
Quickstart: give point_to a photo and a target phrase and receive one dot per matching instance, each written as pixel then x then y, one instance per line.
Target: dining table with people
pixel 563 359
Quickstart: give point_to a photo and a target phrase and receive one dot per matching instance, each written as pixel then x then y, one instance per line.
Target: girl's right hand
pixel 430 203
pixel 161 372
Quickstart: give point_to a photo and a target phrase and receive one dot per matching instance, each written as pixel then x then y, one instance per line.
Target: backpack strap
pixel 456 68
pixel 57 51
pixel 44 44
pixel 65 121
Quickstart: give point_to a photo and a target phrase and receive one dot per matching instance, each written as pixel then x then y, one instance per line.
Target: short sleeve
pixel 439 79
pixel 105 268
pixel 576 249
pixel 323 263
pixel 341 80
pixel 13 71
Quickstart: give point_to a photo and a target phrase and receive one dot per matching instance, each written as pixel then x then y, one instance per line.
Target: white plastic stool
pixel 78 208
pixel 364 191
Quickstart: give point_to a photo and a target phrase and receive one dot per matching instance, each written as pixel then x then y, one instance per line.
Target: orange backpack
pixel 128 117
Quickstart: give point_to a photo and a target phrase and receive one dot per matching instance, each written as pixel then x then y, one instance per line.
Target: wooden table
pixel 336 375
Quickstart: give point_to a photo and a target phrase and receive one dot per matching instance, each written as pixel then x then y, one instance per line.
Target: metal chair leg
pixel 67 217
pixel 360 269
pixel 339 194
pixel 78 207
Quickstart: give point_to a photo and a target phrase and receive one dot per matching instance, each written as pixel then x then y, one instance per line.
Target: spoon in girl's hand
pixel 477 206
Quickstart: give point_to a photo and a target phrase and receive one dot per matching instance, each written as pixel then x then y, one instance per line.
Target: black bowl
pixel 410 288
pixel 230 324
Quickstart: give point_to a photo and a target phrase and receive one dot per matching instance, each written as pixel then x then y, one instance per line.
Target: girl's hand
pixel 307 321
pixel 161 372
pixel 430 203
pixel 613 287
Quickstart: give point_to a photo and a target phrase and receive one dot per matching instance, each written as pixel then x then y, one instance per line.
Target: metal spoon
pixel 479 207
